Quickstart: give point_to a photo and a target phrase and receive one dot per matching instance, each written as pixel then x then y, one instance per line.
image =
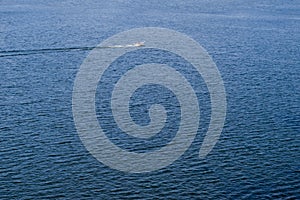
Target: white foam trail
pixel 137 44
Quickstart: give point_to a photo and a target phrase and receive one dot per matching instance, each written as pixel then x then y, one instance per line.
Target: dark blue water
pixel 256 48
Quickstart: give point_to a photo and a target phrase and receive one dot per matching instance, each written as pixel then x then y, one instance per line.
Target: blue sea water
pixel 255 45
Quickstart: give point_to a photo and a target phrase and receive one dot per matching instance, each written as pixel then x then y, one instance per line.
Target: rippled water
pixel 256 48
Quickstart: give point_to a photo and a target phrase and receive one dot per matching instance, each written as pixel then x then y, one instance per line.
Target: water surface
pixel 256 48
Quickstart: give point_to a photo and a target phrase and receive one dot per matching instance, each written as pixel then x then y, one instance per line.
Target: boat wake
pixel 52 50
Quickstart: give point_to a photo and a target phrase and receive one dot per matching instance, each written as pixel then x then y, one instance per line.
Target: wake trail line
pixel 52 50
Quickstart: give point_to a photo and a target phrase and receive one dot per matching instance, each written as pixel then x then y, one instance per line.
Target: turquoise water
pixel 256 48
